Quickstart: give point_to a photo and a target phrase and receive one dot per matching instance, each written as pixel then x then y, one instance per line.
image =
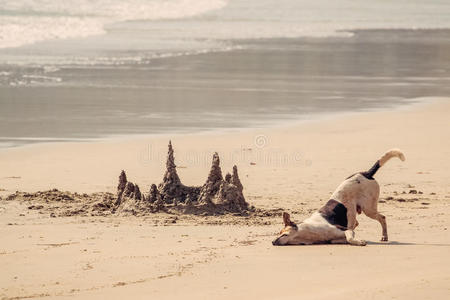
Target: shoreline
pixel 411 103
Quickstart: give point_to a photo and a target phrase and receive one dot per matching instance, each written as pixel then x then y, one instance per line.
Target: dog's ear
pixel 286 219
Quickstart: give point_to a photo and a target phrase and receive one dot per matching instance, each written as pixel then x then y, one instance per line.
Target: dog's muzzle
pixel 276 242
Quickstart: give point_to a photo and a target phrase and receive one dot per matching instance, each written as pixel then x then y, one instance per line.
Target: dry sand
pixel 293 168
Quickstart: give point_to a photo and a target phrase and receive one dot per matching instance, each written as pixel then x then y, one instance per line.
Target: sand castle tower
pixel 171 189
pixel 217 194
pixel 213 182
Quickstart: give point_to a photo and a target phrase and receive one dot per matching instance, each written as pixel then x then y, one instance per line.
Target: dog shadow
pixel 396 243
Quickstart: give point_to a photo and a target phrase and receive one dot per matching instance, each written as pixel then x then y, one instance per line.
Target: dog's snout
pixel 278 242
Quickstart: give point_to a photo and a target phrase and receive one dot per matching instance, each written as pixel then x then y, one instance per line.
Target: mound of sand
pixel 217 196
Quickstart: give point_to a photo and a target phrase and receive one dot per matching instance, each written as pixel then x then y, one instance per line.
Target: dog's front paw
pixel 357 242
pixel 384 239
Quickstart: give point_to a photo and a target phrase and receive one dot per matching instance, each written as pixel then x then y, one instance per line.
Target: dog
pixel 336 221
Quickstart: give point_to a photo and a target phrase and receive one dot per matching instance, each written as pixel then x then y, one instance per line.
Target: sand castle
pixel 216 195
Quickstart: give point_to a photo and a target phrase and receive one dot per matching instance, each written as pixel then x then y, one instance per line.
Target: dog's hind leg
pixel 380 218
pixel 371 210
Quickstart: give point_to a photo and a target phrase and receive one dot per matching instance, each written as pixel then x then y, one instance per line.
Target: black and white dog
pixel 336 221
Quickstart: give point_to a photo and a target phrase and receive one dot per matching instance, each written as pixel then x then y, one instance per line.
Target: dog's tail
pixel 379 163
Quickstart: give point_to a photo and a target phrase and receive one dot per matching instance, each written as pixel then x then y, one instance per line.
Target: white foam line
pixel 33 21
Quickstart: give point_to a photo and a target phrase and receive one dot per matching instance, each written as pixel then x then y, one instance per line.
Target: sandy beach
pixel 167 149
pixel 293 168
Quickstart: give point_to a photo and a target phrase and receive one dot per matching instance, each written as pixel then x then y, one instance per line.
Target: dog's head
pixel 288 233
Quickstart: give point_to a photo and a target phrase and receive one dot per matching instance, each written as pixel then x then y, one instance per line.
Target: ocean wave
pixel 114 9
pixel 42 78
pixel 18 31
pixel 138 28
pixel 29 21
pixel 51 64
pixel 36 77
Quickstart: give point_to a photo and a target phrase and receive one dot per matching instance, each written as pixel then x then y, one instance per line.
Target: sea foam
pixel 29 21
